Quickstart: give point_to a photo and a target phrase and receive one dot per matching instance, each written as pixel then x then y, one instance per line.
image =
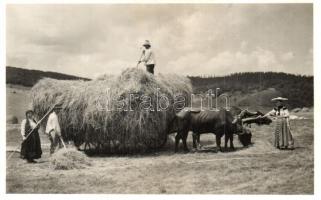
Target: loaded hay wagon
pixel 127 113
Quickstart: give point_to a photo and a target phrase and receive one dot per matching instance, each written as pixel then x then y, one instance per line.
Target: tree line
pixel 28 77
pixel 297 88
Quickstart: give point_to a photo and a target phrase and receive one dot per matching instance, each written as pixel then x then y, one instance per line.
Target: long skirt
pixel 283 138
pixel 31 147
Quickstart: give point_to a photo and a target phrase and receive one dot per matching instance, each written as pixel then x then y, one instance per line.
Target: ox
pixel 247 118
pixel 220 123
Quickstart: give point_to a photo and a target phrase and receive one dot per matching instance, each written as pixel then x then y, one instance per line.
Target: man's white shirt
pixel 53 124
pixel 149 57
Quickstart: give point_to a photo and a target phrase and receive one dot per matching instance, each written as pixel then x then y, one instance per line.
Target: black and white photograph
pixel 159 98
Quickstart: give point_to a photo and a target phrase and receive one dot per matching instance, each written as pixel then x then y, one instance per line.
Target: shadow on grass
pixel 168 150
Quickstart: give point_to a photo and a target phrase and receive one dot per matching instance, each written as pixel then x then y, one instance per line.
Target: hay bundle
pixel 69 159
pixel 118 114
pixel 11 119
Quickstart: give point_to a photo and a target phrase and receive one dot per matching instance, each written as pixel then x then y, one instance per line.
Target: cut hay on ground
pixel 110 112
pixel 69 159
pixel 11 119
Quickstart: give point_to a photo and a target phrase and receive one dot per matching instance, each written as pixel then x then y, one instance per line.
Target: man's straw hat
pixel 279 99
pixel 146 43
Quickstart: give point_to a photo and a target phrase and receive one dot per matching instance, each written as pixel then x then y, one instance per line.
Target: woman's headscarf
pixel 29 111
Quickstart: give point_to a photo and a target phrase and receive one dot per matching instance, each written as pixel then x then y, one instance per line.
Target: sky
pixel 189 39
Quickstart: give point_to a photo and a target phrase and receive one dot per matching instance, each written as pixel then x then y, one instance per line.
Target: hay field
pixel 18 98
pixel 259 169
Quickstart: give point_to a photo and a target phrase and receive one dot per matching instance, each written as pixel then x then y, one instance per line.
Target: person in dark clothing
pixel 31 145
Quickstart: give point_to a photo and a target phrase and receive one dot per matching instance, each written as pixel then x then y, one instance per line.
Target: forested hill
pixel 244 89
pixel 28 77
pixel 250 87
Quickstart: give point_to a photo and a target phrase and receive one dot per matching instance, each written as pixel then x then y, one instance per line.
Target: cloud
pixel 244 45
pixel 287 56
pixel 187 39
pixel 228 62
pixel 309 59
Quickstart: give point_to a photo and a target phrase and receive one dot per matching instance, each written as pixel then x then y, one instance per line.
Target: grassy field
pixel 259 169
pixel 18 100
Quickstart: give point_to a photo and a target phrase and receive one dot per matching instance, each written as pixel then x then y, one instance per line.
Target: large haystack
pixel 122 113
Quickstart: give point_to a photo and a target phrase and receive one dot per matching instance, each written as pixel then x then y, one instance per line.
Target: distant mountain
pixel 257 88
pixel 28 77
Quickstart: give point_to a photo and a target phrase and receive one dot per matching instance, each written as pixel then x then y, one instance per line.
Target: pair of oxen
pixel 219 122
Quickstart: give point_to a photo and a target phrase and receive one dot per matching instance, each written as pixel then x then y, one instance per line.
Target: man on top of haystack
pixel 148 57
